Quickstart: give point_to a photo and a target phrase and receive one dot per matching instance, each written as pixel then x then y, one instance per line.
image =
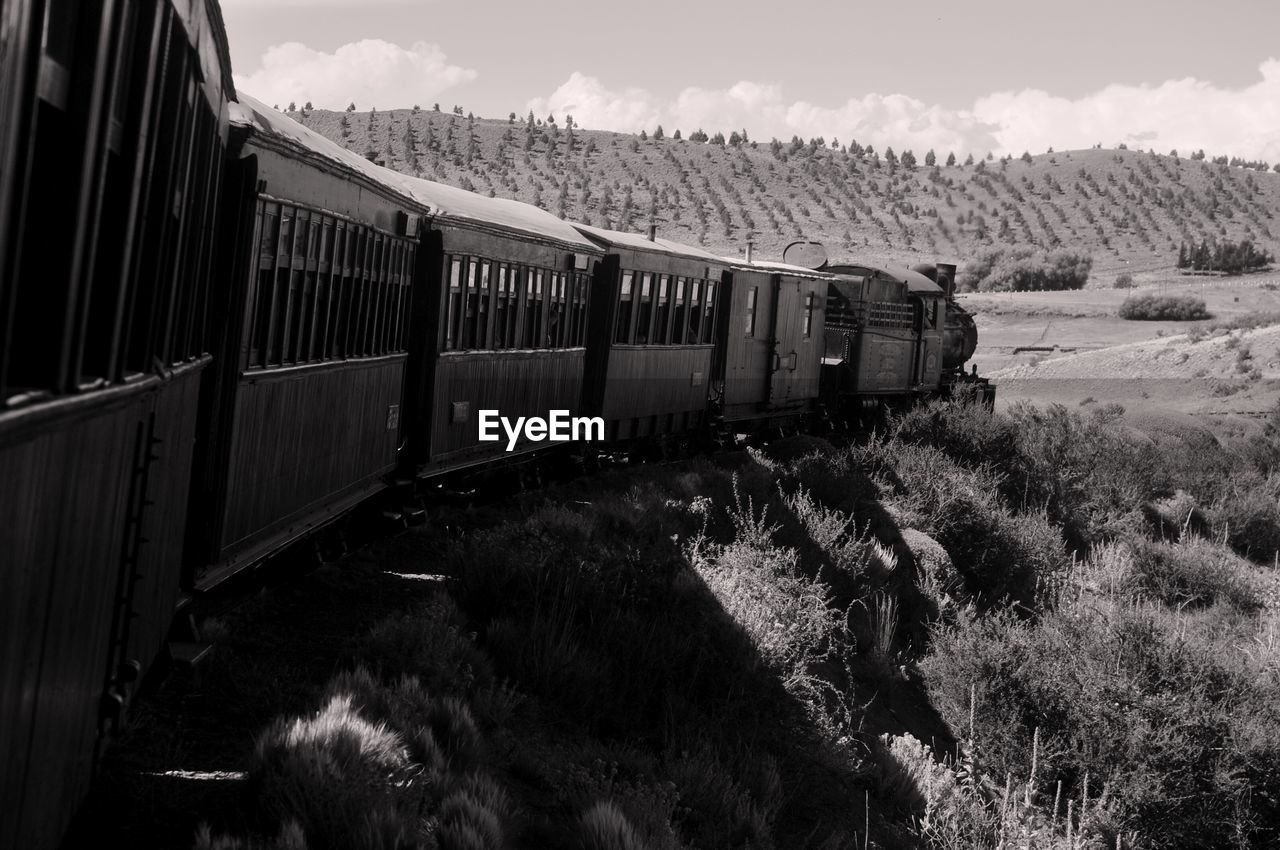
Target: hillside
pixel 1129 209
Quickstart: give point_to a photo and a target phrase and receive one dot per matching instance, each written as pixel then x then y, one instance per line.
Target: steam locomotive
pixel 220 332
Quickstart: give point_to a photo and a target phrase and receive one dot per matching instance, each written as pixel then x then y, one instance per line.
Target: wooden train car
pixel 311 362
pixel 884 334
pixel 113 123
pixel 651 337
pixel 769 348
pixel 500 325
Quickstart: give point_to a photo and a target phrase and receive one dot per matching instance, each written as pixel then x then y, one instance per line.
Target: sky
pixel 974 77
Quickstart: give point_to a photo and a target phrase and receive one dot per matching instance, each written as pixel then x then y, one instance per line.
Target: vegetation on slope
pixel 1160 308
pixel 1127 209
pixel 1078 621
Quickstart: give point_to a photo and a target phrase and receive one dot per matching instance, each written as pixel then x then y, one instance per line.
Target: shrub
pixel 429 643
pixel 1123 281
pixel 329 773
pixel 604 827
pixel 1174 308
pixel 1119 695
pixel 999 555
pixel 1194 574
pixel 1021 269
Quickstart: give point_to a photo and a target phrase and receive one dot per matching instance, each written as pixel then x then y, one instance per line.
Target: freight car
pixel 253 330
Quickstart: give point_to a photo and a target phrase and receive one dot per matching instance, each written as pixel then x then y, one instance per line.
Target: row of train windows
pixel 749 316
pixel 327 288
pixel 493 306
pixel 128 292
pixel 663 309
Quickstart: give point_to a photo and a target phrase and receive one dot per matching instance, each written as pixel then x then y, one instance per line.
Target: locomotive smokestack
pixel 653 232
pixel 750 247
pixel 947 278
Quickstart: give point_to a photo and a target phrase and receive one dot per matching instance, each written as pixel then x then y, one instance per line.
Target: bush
pixel 1123 281
pixel 1117 694
pixel 329 773
pixel 1024 269
pixel 1169 308
pixel 998 555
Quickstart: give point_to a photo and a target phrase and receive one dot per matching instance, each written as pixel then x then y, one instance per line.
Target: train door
pixel 929 324
pixel 783 384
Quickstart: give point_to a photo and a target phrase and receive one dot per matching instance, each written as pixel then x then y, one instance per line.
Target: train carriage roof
pixel 779 268
pixel 448 202
pixel 916 283
pixel 636 242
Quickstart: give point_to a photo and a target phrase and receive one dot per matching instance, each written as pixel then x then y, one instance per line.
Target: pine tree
pixel 930 158
pixel 951 159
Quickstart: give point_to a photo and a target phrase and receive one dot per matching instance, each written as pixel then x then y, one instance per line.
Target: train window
pixel 326 288
pixel 808 314
pixel 533 316
pixel 467 328
pixel 484 295
pixel 500 308
pixel 342 306
pixel 694 319
pixel 454 305
pixel 515 296
pixel 580 309
pixel 284 258
pixel 662 315
pixel 622 332
pixel 708 311
pixel 556 321
pixel 644 312
pixel 750 315
pixel 679 309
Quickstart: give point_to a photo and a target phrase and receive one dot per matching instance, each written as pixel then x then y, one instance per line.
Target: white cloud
pixel 1185 114
pixel 595 107
pixel 371 72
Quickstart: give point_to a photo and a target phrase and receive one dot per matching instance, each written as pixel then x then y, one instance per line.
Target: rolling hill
pixel 1129 209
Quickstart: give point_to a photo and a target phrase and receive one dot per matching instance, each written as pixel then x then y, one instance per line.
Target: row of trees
pixel 1223 256
pixel 1022 269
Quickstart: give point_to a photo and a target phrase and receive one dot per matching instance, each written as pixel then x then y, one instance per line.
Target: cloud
pixel 368 72
pixel 1185 114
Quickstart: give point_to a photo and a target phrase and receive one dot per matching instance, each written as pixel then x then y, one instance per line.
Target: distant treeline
pixel 1222 256
pixel 1022 269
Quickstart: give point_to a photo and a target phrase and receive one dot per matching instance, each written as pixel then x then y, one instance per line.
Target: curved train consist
pixel 220 331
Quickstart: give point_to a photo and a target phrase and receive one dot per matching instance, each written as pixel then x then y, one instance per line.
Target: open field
pixel 1070 347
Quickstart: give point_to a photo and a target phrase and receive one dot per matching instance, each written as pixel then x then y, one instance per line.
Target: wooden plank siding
pixel 770 365
pixel 306 443
pixel 159 570
pixel 70 614
pixel 655 389
pixel 515 383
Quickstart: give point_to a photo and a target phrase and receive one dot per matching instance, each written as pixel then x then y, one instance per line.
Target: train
pixel 221 332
